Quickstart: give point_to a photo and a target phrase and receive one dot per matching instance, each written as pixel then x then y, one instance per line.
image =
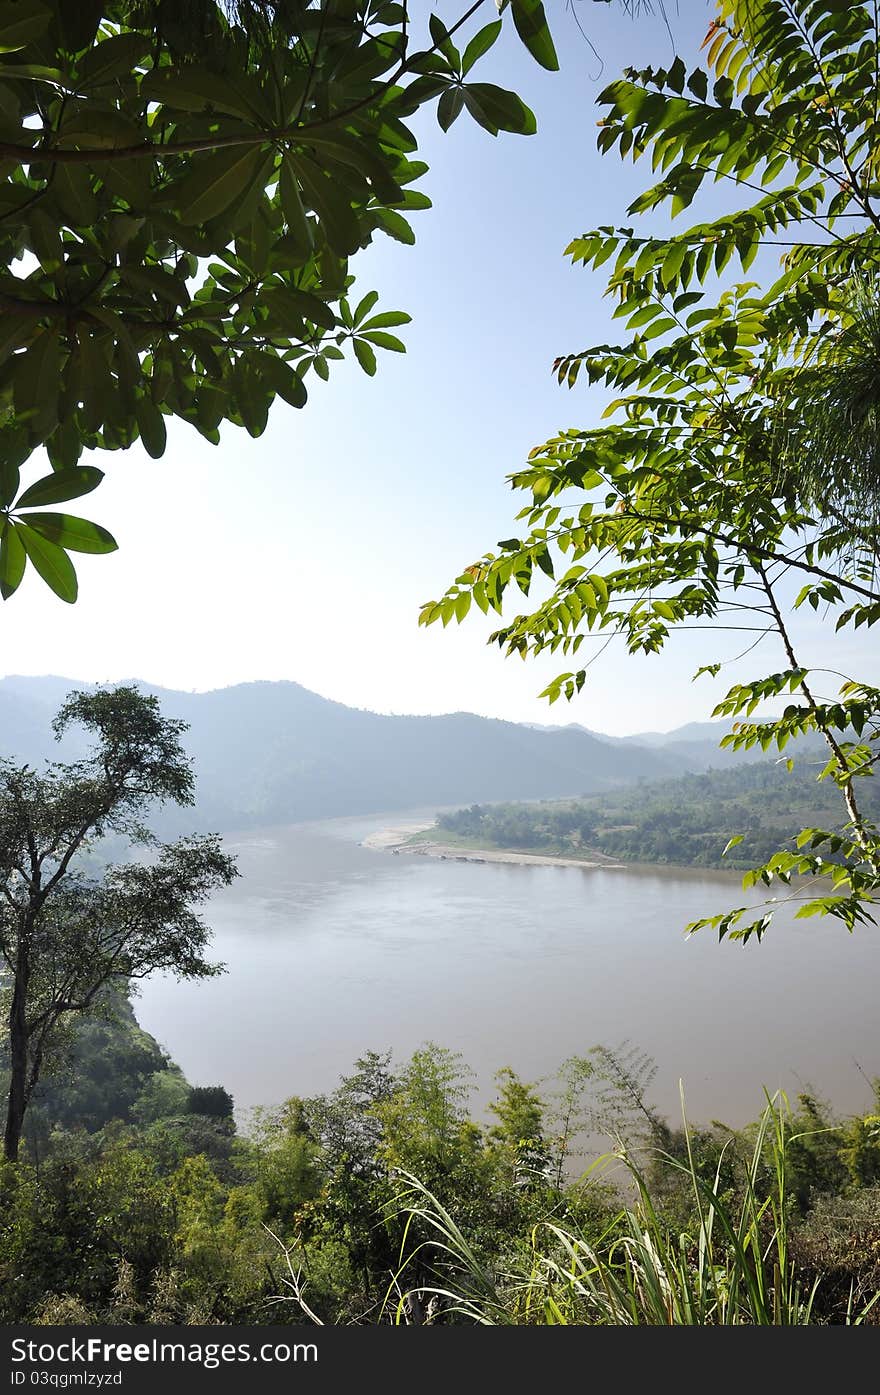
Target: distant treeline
pixel 687 820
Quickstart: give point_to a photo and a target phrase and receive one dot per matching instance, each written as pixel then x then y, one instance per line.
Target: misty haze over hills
pixel 692 747
pixel 273 752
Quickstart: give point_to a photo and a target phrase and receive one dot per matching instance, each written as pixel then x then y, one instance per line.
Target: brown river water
pixel 333 949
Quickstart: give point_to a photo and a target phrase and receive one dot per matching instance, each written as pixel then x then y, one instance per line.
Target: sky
pixel 306 554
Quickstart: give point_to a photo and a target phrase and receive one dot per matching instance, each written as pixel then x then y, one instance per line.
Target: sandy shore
pixel 392 837
pixel 395 840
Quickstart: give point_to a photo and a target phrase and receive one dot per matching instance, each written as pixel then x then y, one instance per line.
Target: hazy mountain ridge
pixel 694 746
pixel 270 752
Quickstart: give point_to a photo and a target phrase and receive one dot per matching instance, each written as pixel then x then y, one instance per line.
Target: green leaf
pixel 61 486
pixel 129 180
pixel 64 445
pixel 89 128
pixel 472 105
pixel 156 280
pixel 387 319
pixel 672 262
pixel 365 357
pixel 67 531
pixel 365 306
pixel 309 306
pixel 480 44
pixel 27 71
pixel 282 378
pixel 22 21
pixel 357 155
pixel 13 559
pixel 44 236
pixel 151 425
pixel 10 475
pixel 12 332
pixel 36 380
pixel 78 22
pixel 443 42
pixel 298 226
pixel 531 25
pixel 95 377
pixel 190 88
pixel 449 107
pixel 251 399
pixel 120 229
pixel 504 110
pixel 111 58
pixel 384 341
pixel 50 562
pixel 211 407
pixel 333 207
pixel 216 182
pixel 119 330
pixel 395 225
pixel 72 189
pixel 414 201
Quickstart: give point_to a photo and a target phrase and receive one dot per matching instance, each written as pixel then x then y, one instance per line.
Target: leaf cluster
pixel 181 191
pixel 739 446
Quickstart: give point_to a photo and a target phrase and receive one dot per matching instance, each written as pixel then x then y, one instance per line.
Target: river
pixel 333 949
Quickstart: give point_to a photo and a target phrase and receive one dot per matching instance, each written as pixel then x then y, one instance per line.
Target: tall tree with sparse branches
pixel 65 934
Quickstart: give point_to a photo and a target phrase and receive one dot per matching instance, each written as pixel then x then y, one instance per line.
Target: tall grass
pixel 730 1267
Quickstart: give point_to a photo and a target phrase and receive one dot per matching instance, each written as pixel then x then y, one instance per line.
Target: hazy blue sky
pixel 305 554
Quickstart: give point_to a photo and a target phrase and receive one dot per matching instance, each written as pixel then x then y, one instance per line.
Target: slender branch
pixel 861 834
pixel 751 549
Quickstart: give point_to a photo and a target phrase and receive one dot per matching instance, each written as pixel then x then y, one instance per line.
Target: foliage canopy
pixel 727 471
pixel 181 190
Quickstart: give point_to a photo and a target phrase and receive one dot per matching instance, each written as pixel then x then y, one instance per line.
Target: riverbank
pixel 399 840
pixel 386 839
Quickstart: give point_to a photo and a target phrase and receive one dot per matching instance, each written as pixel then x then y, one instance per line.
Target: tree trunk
pixel 18 1072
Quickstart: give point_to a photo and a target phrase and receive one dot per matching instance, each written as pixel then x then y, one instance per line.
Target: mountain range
pixel 274 752
pixel 693 746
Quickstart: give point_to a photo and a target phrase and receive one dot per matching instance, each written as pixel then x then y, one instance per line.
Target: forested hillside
pixel 687 820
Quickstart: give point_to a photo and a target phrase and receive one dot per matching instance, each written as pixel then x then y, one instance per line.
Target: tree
pixel 745 439
pixel 520 1128
pixel 65 935
pixel 286 1172
pixel 211 1100
pixel 425 1125
pixel 181 188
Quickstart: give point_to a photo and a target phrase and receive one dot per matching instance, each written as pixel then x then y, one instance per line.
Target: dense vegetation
pixel 688 820
pixel 386 1201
